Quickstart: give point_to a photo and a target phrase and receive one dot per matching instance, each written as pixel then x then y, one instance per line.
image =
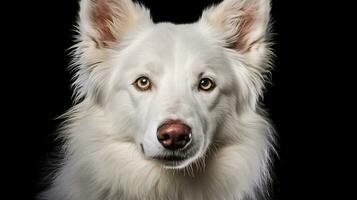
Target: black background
pixel 299 100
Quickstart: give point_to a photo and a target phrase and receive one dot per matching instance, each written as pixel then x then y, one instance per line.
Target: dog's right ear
pixel 104 22
pixel 102 25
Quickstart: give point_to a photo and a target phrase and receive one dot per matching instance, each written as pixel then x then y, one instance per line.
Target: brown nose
pixel 174 135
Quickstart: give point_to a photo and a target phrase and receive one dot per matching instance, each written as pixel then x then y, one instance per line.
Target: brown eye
pixel 143 83
pixel 206 84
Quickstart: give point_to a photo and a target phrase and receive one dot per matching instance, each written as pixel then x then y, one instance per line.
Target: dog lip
pixel 169 158
pixel 142 148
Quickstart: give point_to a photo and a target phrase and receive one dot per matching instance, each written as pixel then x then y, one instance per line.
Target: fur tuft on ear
pixel 244 25
pixel 106 21
pixel 102 25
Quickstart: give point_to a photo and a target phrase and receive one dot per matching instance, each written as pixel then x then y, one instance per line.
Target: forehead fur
pixel 170 45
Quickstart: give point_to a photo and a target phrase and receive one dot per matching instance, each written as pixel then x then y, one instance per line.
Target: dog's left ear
pixel 244 25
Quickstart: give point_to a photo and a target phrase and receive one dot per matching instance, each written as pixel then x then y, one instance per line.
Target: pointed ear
pixel 102 25
pixel 244 25
pixel 105 22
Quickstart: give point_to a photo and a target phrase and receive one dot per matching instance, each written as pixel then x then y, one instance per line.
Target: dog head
pixel 171 89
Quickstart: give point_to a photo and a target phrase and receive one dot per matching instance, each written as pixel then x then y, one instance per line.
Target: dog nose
pixel 174 135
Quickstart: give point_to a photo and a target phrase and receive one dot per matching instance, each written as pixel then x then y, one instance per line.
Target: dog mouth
pixel 170 158
pixel 172 161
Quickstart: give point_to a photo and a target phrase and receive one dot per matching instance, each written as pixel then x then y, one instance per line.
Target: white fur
pixel 229 157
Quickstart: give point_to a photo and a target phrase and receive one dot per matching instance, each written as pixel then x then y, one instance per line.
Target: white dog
pixel 164 111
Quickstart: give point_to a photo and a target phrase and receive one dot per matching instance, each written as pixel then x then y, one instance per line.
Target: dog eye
pixel 206 84
pixel 142 84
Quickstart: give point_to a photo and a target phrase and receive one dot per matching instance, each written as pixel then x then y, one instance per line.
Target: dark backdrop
pixel 298 98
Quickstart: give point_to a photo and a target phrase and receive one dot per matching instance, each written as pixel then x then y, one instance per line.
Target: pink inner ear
pixel 102 15
pixel 245 27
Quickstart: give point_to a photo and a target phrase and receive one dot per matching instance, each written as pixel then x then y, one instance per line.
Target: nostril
pixel 163 136
pixel 165 139
pixel 184 137
pixel 182 140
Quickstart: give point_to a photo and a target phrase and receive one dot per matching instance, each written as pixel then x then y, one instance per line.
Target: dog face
pixel 177 82
pixel 170 88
